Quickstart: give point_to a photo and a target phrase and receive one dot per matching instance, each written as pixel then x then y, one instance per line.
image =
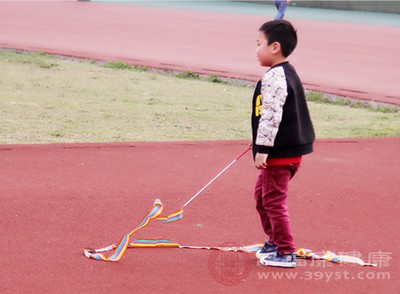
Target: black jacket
pixel 285 128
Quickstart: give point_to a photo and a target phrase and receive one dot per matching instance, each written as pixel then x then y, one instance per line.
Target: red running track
pixel 58 199
pixel 359 61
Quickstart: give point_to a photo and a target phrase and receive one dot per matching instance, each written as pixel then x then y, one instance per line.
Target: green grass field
pixel 48 99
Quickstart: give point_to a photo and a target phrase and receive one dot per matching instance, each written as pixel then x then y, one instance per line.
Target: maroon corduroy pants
pixel 271 198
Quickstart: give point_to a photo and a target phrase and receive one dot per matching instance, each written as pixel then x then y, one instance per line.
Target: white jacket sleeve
pixel 274 93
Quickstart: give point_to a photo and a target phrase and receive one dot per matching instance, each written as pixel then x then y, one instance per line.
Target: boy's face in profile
pixel 266 54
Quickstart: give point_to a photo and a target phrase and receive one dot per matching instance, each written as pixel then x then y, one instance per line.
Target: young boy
pixel 282 133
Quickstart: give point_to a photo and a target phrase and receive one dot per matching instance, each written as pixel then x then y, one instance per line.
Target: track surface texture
pixel 58 199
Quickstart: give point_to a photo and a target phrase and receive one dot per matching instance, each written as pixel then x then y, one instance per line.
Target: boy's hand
pixel 260 161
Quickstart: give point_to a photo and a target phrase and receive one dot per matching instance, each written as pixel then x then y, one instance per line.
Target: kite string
pixel 217 176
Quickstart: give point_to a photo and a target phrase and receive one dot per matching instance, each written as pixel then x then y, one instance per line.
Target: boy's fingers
pixel 261 165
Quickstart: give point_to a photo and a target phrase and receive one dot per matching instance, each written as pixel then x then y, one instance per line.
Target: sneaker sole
pixel 278 264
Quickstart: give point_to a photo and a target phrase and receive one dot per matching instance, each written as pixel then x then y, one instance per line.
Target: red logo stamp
pixel 229 266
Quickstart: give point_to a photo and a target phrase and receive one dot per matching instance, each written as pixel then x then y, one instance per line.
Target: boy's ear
pixel 276 47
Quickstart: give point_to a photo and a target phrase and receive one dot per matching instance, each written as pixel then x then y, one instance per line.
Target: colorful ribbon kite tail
pixel 332 257
pixel 301 252
pixel 173 217
pixel 157 243
pixel 121 246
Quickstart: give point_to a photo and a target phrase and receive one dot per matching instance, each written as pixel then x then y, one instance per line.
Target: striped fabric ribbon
pixel 332 257
pixel 120 247
pixel 154 243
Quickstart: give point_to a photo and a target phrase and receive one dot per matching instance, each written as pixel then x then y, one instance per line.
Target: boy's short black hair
pixel 283 32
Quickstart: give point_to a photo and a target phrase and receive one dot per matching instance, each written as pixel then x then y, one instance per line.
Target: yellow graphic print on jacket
pixel 258 105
